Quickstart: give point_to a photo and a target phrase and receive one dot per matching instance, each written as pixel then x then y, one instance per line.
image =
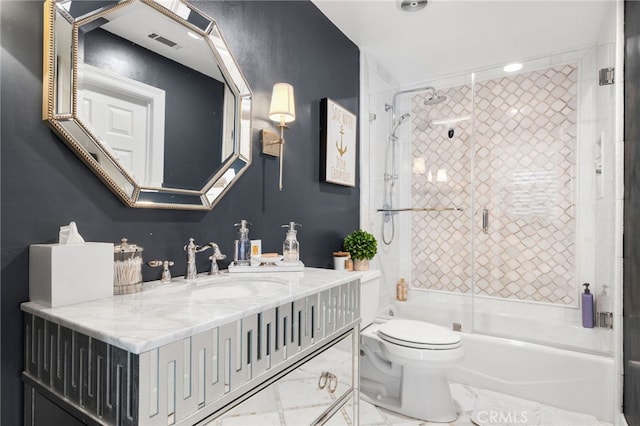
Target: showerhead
pixel 403 117
pixel 434 98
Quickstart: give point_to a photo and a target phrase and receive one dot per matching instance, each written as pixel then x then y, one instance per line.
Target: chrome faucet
pixel 192 248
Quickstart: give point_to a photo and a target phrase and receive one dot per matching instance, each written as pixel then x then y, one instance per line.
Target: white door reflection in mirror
pixel 127 117
pixel 120 125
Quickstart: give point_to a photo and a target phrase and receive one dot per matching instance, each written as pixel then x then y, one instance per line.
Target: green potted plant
pixel 362 246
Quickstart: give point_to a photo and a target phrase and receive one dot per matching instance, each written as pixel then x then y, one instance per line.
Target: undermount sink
pixel 234 288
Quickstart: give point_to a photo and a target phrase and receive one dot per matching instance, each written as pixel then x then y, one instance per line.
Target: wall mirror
pixel 149 96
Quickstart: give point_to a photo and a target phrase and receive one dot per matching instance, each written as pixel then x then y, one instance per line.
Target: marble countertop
pixel 163 313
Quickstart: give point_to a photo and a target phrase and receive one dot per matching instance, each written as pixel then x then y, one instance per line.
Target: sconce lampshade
pixel 283 108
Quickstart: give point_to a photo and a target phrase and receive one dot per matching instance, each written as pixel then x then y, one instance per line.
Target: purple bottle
pixel 587 307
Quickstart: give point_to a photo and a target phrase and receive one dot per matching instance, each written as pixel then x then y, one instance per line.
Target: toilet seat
pixel 419 335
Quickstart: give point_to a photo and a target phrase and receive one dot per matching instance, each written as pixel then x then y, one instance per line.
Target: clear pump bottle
pixel 602 302
pixel 290 246
pixel 242 254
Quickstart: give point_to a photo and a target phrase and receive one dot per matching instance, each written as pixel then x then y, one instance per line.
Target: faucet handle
pixel 166 274
pixel 191 247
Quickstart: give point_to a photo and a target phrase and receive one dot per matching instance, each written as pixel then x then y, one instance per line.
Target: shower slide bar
pixel 424 209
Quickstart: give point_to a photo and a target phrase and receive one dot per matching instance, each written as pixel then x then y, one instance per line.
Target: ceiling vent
pixel 165 41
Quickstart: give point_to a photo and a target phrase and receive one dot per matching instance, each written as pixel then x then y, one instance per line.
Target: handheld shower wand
pixel 403 117
pixel 390 177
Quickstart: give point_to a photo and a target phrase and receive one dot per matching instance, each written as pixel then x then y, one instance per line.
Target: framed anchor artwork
pixel 337 144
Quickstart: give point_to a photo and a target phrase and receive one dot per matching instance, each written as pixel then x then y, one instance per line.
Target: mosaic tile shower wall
pixel 525 156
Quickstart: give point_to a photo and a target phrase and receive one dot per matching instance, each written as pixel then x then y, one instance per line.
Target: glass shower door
pixel 529 192
pixel 517 153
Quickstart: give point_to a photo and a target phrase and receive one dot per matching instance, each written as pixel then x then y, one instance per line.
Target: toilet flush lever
pixel 485 221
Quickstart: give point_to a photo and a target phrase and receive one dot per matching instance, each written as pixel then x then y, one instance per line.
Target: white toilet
pixel 404 363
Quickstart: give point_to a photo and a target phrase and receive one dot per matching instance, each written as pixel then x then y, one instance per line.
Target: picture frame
pixel 337 144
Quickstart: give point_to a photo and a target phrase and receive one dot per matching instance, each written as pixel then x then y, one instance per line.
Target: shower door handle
pixel 485 221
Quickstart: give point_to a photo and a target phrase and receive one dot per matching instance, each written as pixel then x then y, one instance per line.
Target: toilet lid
pixel 418 334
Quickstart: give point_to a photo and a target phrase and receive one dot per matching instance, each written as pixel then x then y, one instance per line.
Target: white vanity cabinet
pixel 208 360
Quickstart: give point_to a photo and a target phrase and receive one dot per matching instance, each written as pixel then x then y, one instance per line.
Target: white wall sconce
pixel 282 111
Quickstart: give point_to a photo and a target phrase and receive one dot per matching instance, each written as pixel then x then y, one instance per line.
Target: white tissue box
pixel 65 274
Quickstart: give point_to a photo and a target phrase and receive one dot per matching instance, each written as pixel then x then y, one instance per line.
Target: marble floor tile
pixel 297 401
pixel 463 420
pixel 493 408
pixel 370 415
pixel 463 397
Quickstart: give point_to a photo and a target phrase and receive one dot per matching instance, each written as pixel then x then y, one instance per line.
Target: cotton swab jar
pixel 127 264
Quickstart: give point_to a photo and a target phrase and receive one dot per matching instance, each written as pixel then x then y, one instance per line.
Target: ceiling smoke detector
pixel 412 5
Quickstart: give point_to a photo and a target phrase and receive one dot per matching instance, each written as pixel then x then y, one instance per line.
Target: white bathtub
pixel 552 325
pixel 569 379
pixel 565 379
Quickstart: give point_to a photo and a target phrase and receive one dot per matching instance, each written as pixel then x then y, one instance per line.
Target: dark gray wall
pixel 44 185
pixel 631 277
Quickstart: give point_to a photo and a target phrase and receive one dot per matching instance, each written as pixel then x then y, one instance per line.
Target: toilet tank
pixel 369 297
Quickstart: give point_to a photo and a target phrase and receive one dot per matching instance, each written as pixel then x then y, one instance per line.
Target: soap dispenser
pixel 587 307
pixel 401 290
pixel 242 255
pixel 290 246
pixel 602 303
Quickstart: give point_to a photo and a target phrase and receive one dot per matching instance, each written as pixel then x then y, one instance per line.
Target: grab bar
pixel 424 209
